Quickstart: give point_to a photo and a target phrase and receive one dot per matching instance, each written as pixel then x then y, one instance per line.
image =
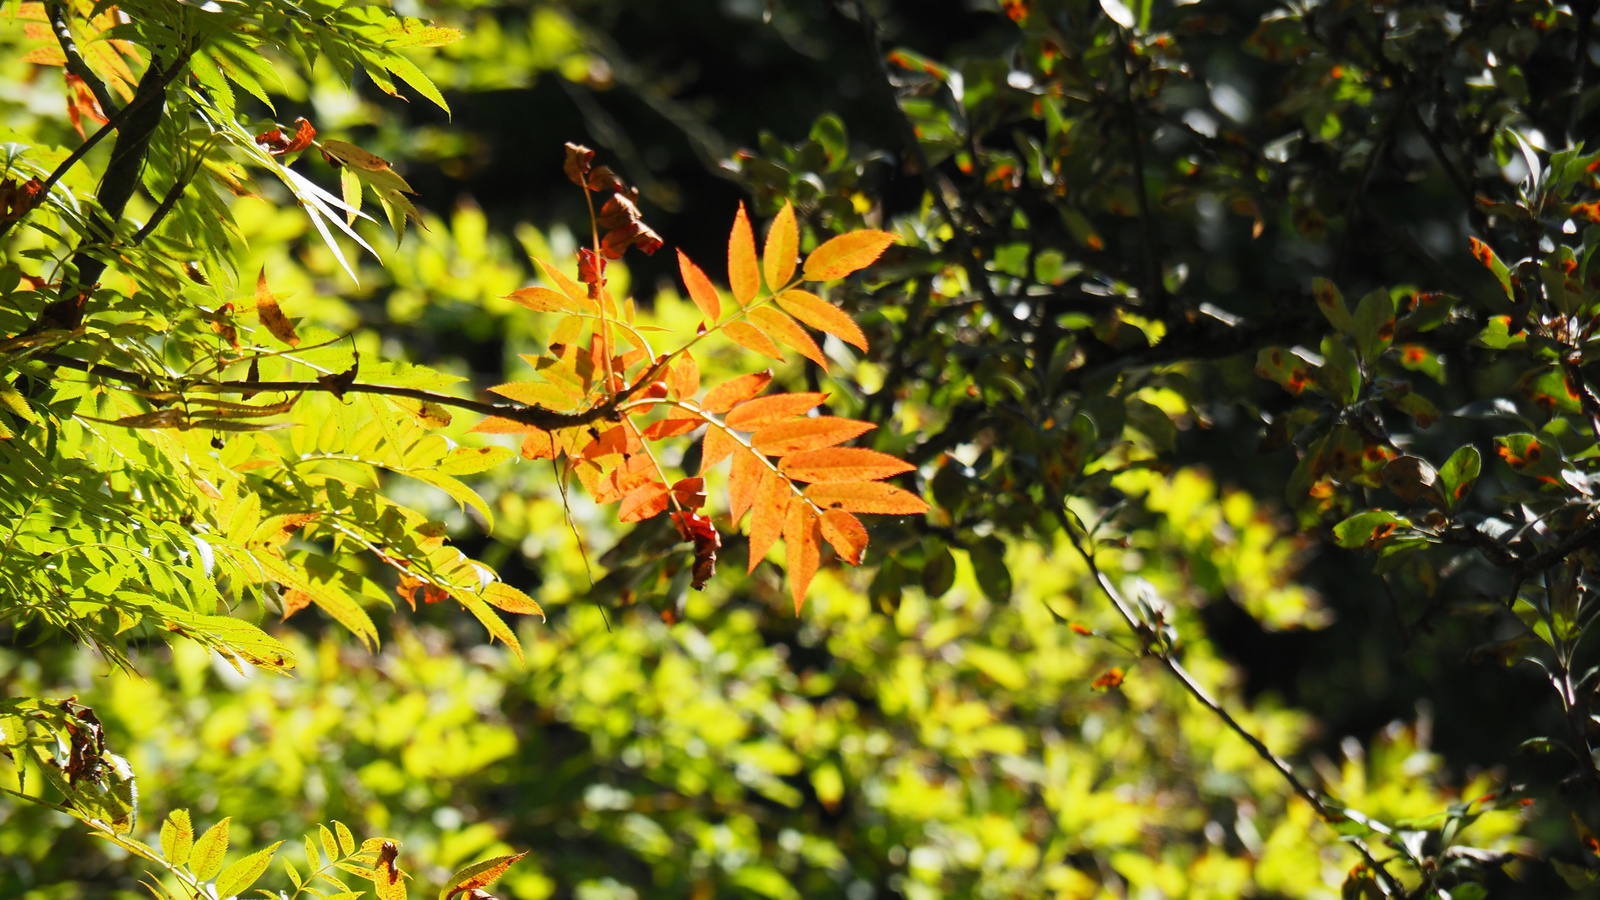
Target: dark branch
pixel 75 63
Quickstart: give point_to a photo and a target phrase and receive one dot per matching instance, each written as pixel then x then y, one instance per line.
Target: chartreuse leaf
pixel 1485 254
pixel 1458 474
pixel 237 878
pixel 206 861
pixel 478 875
pixel 1367 529
pixel 177 837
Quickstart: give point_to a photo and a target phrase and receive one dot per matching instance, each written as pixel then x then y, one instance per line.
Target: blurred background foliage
pixel 945 721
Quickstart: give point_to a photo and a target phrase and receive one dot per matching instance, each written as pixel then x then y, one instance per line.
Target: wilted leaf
pixel 477 875
pixel 272 317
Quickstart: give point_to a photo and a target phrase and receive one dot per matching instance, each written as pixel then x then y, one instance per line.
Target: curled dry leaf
pixel 271 315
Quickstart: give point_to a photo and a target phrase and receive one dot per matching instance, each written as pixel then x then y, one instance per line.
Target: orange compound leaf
pixel 538 445
pixel 807 434
pixel 770 512
pixel 802 539
pixel 845 254
pixel 823 316
pixel 743 276
pixel 744 483
pixel 731 393
pixel 701 290
pixel 784 330
pixel 752 338
pixel 842 464
pixel 847 535
pixel 690 492
pixel 541 299
pixel 272 317
pixel 716 447
pixel 672 426
pixel 683 377
pixel 867 497
pixel 782 252
pixel 645 502
pixel 753 414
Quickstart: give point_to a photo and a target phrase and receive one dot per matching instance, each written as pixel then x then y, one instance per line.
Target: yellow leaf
pixel 508 598
pixel 781 254
pixel 784 330
pixel 752 338
pixel 846 253
pixel 237 878
pixel 271 315
pixel 206 860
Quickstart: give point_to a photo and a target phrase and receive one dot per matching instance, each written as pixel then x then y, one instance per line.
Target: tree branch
pixel 75 63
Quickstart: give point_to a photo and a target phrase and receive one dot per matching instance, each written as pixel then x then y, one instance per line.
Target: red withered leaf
pixel 812 433
pixel 690 492
pixel 753 414
pixel 579 158
pixel 842 464
pixel 769 513
pixel 744 483
pixel 701 290
pixel 743 276
pixel 752 338
pixel 735 391
pixel 644 502
pixel 271 315
pixel 847 535
pixel 846 253
pixel 784 330
pixel 717 446
pixel 781 254
pixel 802 540
pixel 823 316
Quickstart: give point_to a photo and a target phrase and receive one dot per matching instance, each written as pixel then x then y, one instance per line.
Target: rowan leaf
pixel 845 254
pixel 206 861
pixel 647 501
pixel 177 837
pixel 752 338
pixel 847 535
pixel 472 460
pixel 538 445
pixel 812 433
pixel 574 291
pixel 782 252
pixel 701 290
pixel 784 330
pixel 823 316
pixel 535 393
pixel 735 391
pixel 671 426
pixel 504 596
pixel 237 878
pixel 496 626
pixel 744 483
pixel 330 845
pixel 271 316
pixel 753 414
pixel 478 875
pixel 540 299
pixel 802 541
pixel 499 425
pixel 347 841
pixel 771 510
pixel 743 276
pixel 690 492
pixel 868 497
pixel 842 464
pixel 683 377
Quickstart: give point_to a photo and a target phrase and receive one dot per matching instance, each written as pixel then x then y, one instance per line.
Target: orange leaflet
pixel 752 338
pixel 771 509
pixel 644 502
pixel 538 445
pixel 614 440
pixel 846 253
pixel 807 434
pixel 672 426
pixel 744 483
pixel 624 480
pixel 535 393
pixel 271 316
pixel 541 299
pixel 752 414
pixel 498 425
pixel 716 447
pixel 802 541
pixel 731 393
pixel 511 600
pixel 574 291
pixel 823 316
pixel 480 875
pixel 784 330
pixel 779 257
pixel 847 535
pixel 701 290
pixel 743 276
pixel 1109 680
pixel 842 464
pixel 683 377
